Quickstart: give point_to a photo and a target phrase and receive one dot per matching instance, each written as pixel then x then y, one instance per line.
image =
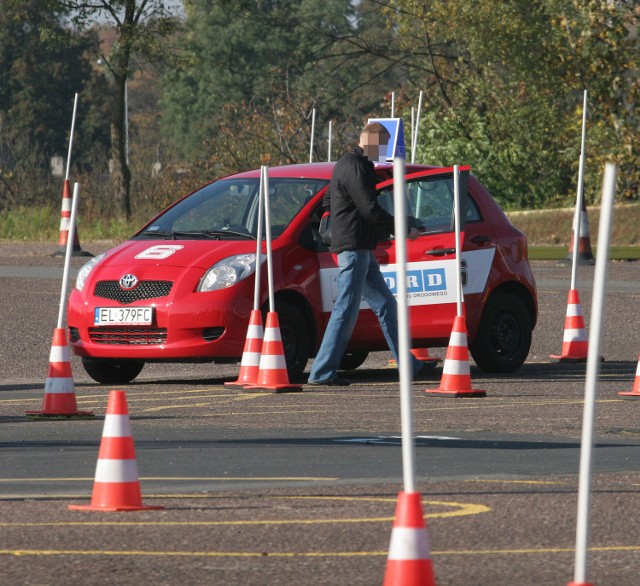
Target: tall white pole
pixel 593 370
pixel 413 124
pixel 329 142
pixel 393 104
pixel 68 254
pixel 73 125
pixel 313 131
pixel 404 345
pixel 416 130
pixel 267 230
pixel 256 289
pixel 580 197
pixel 457 219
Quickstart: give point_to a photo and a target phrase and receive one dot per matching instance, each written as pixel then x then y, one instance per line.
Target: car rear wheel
pixel 109 371
pixel 296 338
pixel 504 334
pixel 351 360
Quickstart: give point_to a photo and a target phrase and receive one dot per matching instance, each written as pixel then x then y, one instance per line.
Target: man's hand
pixel 414 233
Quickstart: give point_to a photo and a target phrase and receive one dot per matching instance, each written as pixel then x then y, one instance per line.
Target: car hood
pixel 175 253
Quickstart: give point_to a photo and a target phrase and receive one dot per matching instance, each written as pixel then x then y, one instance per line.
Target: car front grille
pixel 144 290
pixel 74 334
pixel 128 335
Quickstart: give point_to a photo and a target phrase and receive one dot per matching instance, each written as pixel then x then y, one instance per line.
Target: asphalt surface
pixel 281 489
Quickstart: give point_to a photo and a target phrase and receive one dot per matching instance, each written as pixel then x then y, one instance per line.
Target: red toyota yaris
pixel 182 288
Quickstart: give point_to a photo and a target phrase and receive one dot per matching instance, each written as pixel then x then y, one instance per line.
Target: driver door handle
pixel 439 251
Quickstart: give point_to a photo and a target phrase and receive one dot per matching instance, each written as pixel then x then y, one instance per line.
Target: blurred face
pixel 374 147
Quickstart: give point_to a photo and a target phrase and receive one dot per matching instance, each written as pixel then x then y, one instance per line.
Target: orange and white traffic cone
pixel 456 373
pixel 65 221
pixel 409 559
pixel 574 340
pixel 272 373
pixel 634 393
pixel 59 400
pixel 116 486
pixel 585 254
pixel 250 363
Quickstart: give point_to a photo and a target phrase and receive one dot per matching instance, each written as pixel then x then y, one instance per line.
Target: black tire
pixel 504 335
pixel 351 360
pixel 296 338
pixel 110 371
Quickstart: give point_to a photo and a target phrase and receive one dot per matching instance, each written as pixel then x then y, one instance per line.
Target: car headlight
pixel 86 268
pixel 228 272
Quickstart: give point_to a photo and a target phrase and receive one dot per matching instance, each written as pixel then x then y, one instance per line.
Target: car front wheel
pixel 504 335
pixel 111 371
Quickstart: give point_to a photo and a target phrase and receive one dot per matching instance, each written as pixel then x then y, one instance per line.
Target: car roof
pixel 318 171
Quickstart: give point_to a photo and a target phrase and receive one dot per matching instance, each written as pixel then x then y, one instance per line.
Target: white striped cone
pixel 272 374
pixel 59 389
pixel 116 486
pixel 250 363
pixel 585 254
pixel 65 223
pixel 574 340
pixel 409 560
pixel 634 393
pixel 456 377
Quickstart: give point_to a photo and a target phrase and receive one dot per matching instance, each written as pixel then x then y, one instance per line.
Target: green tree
pixel 142 29
pixel 503 86
pixel 42 65
pixel 252 57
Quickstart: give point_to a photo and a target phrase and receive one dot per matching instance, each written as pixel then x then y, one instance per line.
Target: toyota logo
pixel 128 281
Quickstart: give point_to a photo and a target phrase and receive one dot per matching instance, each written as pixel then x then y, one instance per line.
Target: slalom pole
pixel 68 254
pixel 393 103
pixel 457 221
pixel 73 125
pixel 593 369
pixel 579 197
pixel 313 130
pixel 416 130
pixel 404 336
pixel 267 230
pixel 256 288
pixel 413 123
pixel 329 143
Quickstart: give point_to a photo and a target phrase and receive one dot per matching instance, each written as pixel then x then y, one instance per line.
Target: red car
pixel 181 289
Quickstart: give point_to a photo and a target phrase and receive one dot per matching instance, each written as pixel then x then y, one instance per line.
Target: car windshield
pixel 229 209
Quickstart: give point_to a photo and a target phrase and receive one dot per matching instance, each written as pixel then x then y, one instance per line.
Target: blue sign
pixel 418 281
pixel 396 146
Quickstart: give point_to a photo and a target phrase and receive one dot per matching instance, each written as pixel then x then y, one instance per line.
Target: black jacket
pixel 355 212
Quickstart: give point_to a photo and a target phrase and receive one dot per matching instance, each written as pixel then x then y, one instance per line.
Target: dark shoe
pixel 334 382
pixel 427 372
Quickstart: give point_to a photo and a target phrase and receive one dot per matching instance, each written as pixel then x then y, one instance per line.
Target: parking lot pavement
pixel 280 489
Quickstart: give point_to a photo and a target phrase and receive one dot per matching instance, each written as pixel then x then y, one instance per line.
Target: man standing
pixel 355 218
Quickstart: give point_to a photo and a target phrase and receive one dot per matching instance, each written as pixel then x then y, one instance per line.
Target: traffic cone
pixel 634 393
pixel 574 341
pixel 65 220
pixel 579 584
pixel 409 559
pixel 272 373
pixel 456 376
pixel 250 363
pixel 116 486
pixel 59 400
pixel 585 255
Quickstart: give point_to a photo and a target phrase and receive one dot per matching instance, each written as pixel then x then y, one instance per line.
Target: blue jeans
pixel 359 277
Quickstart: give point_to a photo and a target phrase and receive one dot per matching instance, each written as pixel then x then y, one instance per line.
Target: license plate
pixel 123 316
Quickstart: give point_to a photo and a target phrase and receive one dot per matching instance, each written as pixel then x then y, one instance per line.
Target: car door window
pixel 430 200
